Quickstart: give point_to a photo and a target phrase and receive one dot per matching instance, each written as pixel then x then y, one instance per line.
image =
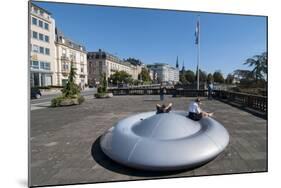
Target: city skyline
pixel 153 35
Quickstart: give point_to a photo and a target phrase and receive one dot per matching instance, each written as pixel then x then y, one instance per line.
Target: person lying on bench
pixel 163 108
pixel 194 111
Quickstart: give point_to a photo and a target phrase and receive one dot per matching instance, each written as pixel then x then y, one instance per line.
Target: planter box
pixel 69 102
pixel 103 95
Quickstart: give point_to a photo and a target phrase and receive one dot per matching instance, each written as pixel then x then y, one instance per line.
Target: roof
pixel 68 42
pixel 106 55
pixel 32 4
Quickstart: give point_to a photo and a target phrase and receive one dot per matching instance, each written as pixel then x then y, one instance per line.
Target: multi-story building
pixel 165 72
pixel 51 52
pixel 67 52
pixel 42 47
pixel 101 62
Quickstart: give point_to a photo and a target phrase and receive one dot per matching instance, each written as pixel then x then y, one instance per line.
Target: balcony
pixel 64 58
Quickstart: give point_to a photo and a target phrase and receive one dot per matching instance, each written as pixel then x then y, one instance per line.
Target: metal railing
pixel 256 102
pixel 156 91
pixel 245 100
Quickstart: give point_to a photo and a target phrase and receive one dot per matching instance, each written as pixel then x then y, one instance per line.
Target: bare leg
pixel 206 114
pixel 169 107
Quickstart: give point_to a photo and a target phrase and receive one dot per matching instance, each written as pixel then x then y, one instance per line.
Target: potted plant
pixel 70 93
pixel 102 91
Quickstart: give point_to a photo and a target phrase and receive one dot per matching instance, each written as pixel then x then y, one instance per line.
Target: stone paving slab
pixel 64 141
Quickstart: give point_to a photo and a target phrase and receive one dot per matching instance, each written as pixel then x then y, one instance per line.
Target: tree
pixel 202 76
pixel 259 64
pixel 218 77
pixel 229 79
pixel 71 89
pixel 144 75
pixel 243 74
pixel 190 76
pixel 210 78
pixel 182 77
pixel 121 77
pixel 134 61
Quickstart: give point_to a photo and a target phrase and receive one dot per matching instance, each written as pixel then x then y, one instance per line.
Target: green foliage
pixel 134 61
pixel 100 95
pixel 136 82
pixel 71 89
pixel 121 77
pixel 144 75
pixel 202 76
pixel 259 64
pixel 190 76
pixel 81 99
pixel 187 77
pixel 218 77
pixel 103 84
pixel 210 78
pixel 57 101
pixel 229 79
pixel 244 74
pixel 182 77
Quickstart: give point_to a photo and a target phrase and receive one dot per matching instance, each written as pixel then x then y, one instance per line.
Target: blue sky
pixel 160 35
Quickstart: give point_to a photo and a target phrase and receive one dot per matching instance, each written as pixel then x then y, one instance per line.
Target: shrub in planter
pixel 56 101
pixel 103 95
pixel 70 93
pixel 81 99
pixel 102 89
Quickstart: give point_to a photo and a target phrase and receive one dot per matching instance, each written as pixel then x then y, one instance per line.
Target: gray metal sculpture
pixel 166 141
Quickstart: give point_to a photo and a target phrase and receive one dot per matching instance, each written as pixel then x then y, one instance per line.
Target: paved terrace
pixel 65 149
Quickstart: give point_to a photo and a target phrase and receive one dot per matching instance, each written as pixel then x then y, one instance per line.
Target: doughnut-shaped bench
pixel 166 141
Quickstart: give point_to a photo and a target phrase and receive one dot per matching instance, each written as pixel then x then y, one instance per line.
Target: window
pixel 41 12
pixel 46 26
pixel 81 58
pixel 41 65
pixel 46 38
pixel 47 66
pixel 34 21
pixel 64 51
pixel 35 64
pixel 100 66
pixel 82 68
pixel 47 51
pixel 41 36
pixel 44 65
pixel 65 67
pixel 35 48
pixel 40 23
pixel 35 34
pixel 41 50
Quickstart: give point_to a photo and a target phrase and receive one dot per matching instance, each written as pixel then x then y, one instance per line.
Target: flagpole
pixel 198 52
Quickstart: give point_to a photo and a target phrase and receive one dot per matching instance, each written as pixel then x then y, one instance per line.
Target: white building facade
pixel 51 53
pixel 42 47
pixel 68 52
pixel 165 72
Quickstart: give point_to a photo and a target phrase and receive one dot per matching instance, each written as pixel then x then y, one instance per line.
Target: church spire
pixel 177 64
pixel 183 68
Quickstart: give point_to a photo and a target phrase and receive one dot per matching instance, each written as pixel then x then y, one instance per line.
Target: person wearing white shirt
pixel 195 112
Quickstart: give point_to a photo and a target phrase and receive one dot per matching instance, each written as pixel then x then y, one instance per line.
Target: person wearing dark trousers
pixel 195 112
pixel 161 92
pixel 163 108
pixel 210 91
